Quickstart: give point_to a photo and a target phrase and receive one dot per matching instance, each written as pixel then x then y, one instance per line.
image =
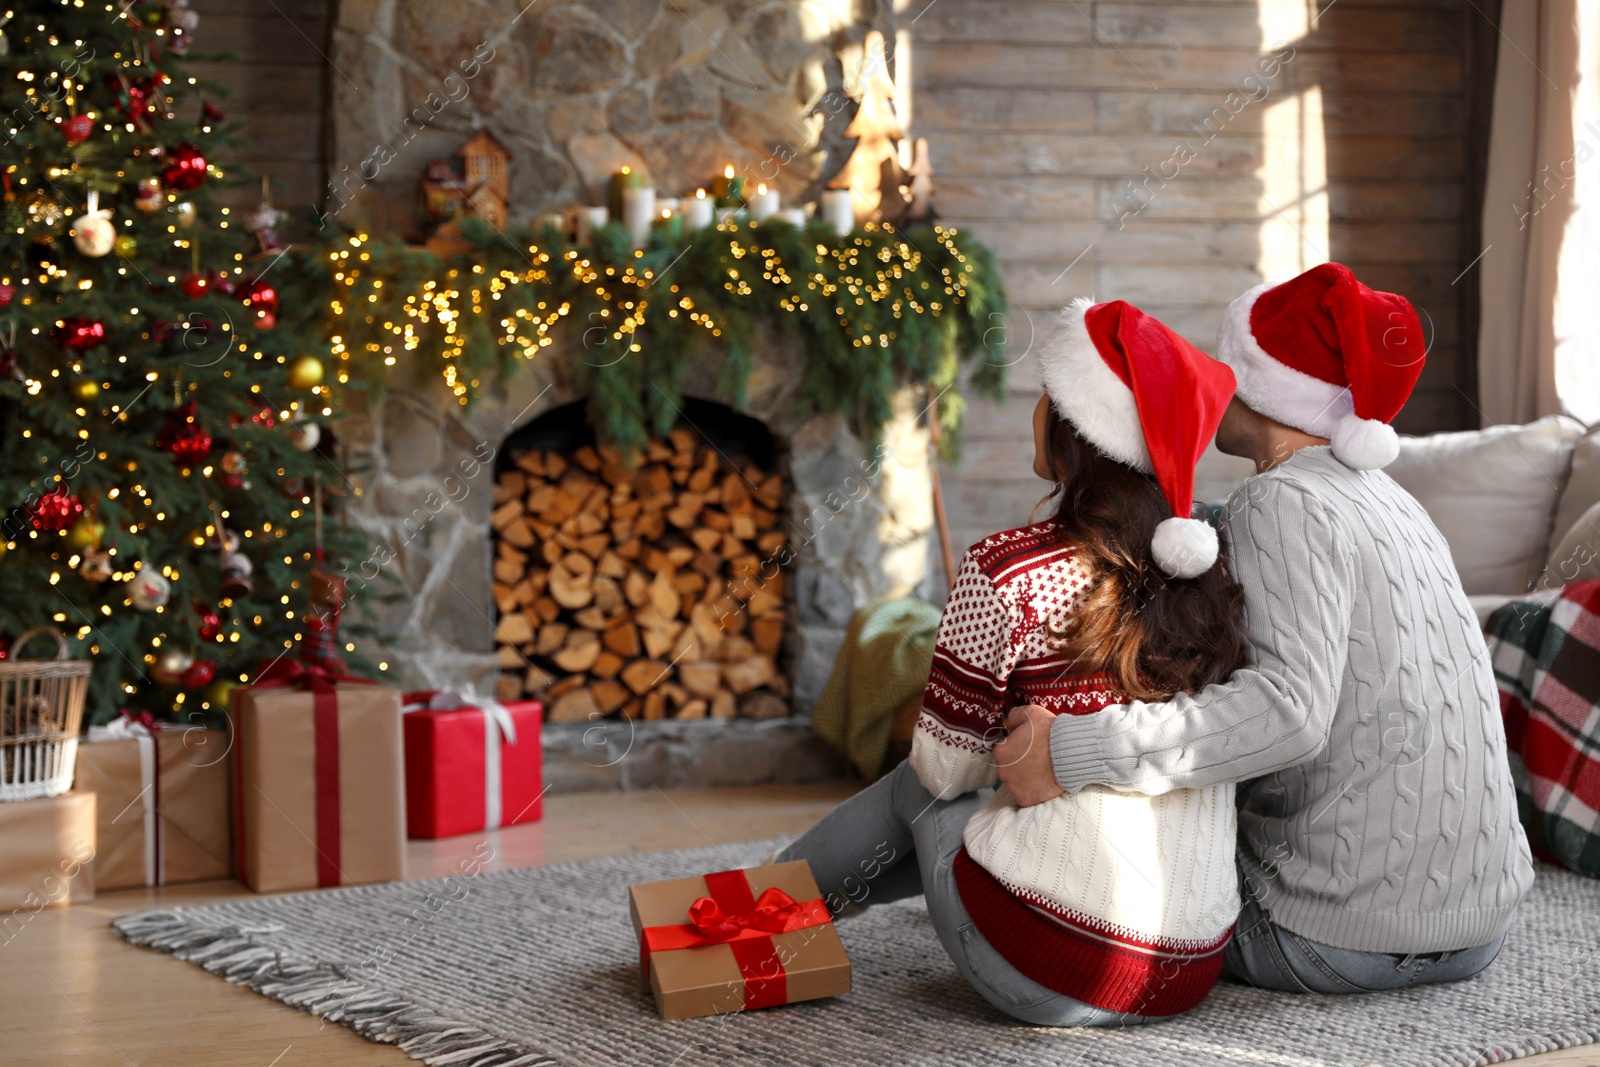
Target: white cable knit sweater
pixel 1378 810
pixel 1117 899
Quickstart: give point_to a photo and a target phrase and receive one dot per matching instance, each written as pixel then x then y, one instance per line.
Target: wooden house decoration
pixel 475 182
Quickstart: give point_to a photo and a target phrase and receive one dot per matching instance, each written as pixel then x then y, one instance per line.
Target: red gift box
pixel 472 763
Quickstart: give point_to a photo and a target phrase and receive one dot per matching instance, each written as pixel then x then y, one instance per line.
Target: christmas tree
pixel 159 452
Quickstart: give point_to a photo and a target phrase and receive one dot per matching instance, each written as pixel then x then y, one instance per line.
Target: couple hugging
pixel 1283 761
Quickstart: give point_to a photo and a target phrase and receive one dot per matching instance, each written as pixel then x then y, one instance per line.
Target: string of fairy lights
pixel 376 317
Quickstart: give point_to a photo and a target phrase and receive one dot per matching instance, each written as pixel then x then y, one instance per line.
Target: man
pixel 1379 843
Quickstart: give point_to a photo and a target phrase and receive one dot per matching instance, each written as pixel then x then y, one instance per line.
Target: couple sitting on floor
pixel 1286 764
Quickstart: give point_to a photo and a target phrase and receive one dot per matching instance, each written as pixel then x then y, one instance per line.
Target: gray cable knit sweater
pixel 1377 811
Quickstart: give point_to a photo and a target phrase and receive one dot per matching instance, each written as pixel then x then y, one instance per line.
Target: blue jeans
pixel 893 840
pixel 1265 954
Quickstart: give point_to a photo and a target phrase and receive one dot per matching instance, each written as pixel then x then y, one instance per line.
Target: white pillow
pixel 1576 557
pixel 1493 494
pixel 1582 490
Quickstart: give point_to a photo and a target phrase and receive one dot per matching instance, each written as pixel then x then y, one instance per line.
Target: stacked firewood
pixel 649 592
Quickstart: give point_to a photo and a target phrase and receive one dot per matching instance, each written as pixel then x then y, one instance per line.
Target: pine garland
pixel 874 311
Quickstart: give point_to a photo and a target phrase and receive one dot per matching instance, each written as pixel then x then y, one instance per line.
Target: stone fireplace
pixel 855 522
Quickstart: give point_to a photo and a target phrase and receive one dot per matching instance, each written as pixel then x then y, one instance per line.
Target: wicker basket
pixel 41 711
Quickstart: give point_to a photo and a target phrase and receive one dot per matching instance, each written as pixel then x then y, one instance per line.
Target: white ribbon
pixel 496 722
pixel 128 730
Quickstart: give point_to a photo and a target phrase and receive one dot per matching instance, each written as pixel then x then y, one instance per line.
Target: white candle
pixel 697 211
pixel 589 220
pixel 764 204
pixel 794 215
pixel 838 209
pixel 638 212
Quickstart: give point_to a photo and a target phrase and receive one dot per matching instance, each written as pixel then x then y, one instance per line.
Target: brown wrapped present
pixel 319 783
pixel 163 808
pixel 736 941
pixel 45 849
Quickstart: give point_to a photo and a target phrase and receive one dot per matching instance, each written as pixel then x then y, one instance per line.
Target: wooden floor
pixel 71 993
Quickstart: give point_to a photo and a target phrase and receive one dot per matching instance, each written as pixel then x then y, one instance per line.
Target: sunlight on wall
pixel 1292 182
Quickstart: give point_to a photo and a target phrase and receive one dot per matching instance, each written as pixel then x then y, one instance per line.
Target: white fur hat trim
pixel 1276 389
pixel 1088 394
pixel 1184 548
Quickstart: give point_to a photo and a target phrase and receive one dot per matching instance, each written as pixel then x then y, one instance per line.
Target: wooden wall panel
pixel 277 76
pixel 1041 113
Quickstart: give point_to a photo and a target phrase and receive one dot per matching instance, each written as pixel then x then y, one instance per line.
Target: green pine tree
pixel 146 407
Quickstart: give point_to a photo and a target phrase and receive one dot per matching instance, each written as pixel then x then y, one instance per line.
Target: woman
pixel 1097 908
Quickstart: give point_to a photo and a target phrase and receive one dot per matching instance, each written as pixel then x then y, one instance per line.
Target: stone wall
pixel 576 88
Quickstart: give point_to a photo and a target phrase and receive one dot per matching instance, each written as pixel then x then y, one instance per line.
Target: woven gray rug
pixel 539 966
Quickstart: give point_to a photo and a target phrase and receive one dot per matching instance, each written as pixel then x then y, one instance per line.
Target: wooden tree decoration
pixel 908 194
pixel 877 132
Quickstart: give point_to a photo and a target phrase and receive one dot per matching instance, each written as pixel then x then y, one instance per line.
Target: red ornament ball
pixel 77 128
pixel 6 293
pixel 185 169
pixel 80 335
pixel 183 437
pixel 8 362
pixel 194 286
pixel 54 511
pixel 210 626
pixel 211 113
pixel 199 675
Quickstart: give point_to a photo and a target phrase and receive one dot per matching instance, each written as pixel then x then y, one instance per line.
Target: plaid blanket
pixel 1547 666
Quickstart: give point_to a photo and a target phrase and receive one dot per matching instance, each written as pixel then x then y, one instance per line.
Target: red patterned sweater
pixel 1119 900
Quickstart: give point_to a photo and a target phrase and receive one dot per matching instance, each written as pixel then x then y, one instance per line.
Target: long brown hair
pixel 1156 635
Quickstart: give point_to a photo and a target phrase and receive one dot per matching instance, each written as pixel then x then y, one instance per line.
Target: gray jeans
pixel 1265 954
pixel 893 840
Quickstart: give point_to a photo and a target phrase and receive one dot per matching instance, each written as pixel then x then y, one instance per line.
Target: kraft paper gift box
pixel 45 849
pixel 737 941
pixel 163 804
pixel 472 763
pixel 319 781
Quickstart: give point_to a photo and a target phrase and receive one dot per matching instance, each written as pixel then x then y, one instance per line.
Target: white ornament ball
pixel 148 590
pixel 304 435
pixel 94 234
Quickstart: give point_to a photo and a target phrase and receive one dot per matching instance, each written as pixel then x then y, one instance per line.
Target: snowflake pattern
pixel 994 651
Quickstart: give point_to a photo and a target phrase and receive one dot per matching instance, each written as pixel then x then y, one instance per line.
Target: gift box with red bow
pixel 163 802
pixel 737 941
pixel 472 763
pixel 319 782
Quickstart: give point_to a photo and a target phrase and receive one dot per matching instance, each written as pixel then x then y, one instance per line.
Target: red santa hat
pixel 1147 398
pixel 1325 354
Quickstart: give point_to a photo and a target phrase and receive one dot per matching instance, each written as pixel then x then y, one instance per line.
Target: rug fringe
pixel 325 990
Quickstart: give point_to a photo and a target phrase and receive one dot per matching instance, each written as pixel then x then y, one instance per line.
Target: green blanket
pixel 884 663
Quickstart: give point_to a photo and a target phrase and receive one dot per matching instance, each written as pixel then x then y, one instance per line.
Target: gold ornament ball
pixel 86 533
pixel 126 246
pixel 219 693
pixel 85 389
pixel 305 373
pixel 169 665
pixel 185 210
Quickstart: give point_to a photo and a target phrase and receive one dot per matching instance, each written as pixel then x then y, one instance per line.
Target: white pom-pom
pixel 1365 444
pixel 1184 548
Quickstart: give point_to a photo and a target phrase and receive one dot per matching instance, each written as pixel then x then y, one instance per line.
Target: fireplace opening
pixel 647 592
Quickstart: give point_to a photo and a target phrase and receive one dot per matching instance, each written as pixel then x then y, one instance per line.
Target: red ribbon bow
pixel 143 718
pixel 731 915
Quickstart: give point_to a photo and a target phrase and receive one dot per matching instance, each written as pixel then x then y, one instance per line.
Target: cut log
pixel 507 687
pixel 609 695
pixel 723 705
pixel 655 704
pixel 636 588
pixel 579 653
pixel 513 630
pixel 623 639
pixel 701 679
pixel 552 637
pixel 611 566
pixel 767 633
pixel 663 597
pixel 577 705
pixel 505 515
pixel 643 675
pixel 519 534
pixel 705 540
pixel 748 674
pixel 568 588
pixel 763 705
pixel 607 595
pixel 592 618
pixel 536 681
pixel 607 665
pixel 694 709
